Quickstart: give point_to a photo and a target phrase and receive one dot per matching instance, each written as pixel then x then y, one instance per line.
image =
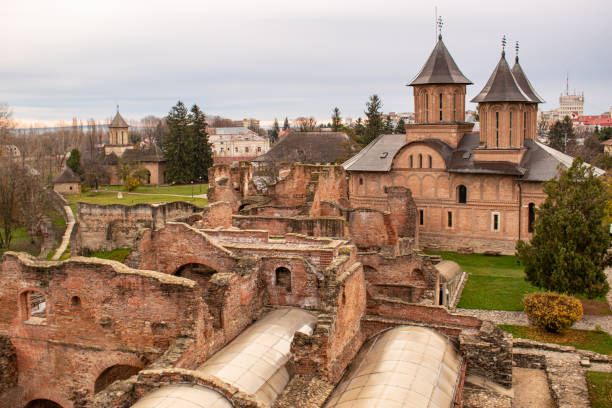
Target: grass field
pixel 105 198
pixel 118 254
pixel 600 389
pixel 498 283
pixel 182 189
pixel 597 341
pixel 22 242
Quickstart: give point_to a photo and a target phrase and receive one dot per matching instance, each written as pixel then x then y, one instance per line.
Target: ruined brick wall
pixel 99 313
pixel 296 187
pixel 217 214
pixel 318 227
pixel 403 211
pixel 444 242
pixel 371 228
pixel 106 227
pixel 332 186
pixel 8 366
pixel 224 185
pixel 178 244
pixel 300 290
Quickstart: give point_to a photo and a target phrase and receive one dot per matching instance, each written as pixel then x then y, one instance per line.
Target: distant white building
pixel 232 144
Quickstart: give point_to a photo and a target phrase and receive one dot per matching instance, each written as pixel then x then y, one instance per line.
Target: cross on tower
pixel 516 48
pixel 504 45
pixel 117 108
pixel 440 23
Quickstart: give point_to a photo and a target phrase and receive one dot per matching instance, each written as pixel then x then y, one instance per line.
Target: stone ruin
pixel 285 242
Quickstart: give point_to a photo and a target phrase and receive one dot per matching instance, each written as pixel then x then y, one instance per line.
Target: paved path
pixel 66 238
pixel 587 322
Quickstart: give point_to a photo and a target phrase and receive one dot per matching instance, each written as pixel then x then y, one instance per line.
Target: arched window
pixel 441 107
pixel 420 161
pixel 510 128
pixel 411 162
pixel 455 107
pixel 531 222
pixel 525 125
pixel 496 129
pixel 114 373
pixel 430 161
pixel 462 194
pixel 426 107
pixel 361 181
pixel 43 403
pixel 75 301
pixel 283 278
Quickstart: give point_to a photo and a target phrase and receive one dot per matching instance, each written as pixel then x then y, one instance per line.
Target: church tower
pixel 118 131
pixel 508 107
pixel 439 89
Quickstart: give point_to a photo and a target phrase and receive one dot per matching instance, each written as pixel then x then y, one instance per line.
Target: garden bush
pixel 552 311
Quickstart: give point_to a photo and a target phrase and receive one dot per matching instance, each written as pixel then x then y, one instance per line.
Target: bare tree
pixel 305 124
pixel 6 124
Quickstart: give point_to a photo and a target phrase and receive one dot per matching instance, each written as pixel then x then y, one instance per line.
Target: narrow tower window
pixel 411 162
pixel 450 219
pixel 420 161
pixel 426 107
pixel 430 161
pixel 525 125
pixel 510 129
pixel 455 107
pixel 421 217
pixel 462 194
pixel 496 129
pixel 440 107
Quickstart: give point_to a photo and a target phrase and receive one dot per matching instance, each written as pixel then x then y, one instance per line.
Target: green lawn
pixel 118 254
pixel 128 199
pixel 597 341
pixel 600 389
pixel 182 189
pixel 22 242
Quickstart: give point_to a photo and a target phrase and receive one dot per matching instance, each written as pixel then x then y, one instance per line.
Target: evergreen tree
pixel 400 129
pixel 568 250
pixel 374 122
pixel 286 124
pixel 359 129
pixel 202 148
pixel 74 161
pixel 273 133
pixel 388 125
pixel 561 133
pixel 336 120
pixel 179 148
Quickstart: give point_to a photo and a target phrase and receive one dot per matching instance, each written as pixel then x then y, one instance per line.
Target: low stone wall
pixel 439 242
pixel 318 227
pixel 107 227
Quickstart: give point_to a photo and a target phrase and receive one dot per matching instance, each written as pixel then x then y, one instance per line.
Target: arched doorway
pixel 201 274
pixel 114 373
pixel 42 403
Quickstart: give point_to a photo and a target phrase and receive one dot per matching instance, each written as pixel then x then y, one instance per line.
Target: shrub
pixel 131 183
pixel 552 311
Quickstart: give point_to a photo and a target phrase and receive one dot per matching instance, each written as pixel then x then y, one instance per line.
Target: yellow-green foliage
pixel 552 311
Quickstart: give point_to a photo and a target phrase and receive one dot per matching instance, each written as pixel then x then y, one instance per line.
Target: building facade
pixel 475 191
pixel 236 143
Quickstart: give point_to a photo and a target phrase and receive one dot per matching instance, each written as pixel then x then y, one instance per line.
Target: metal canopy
pixel 183 396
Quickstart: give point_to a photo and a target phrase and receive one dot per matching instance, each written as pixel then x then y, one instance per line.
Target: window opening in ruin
pixel 462 194
pixel 426 107
pixel 495 222
pixel 497 129
pixel 421 218
pixel 202 274
pixel 75 301
pixel 420 161
pixel 510 129
pixel 35 306
pixel 531 222
pixel 440 107
pixel 450 219
pixel 114 373
pixel 42 403
pixel 283 278
pixel 411 162
pixel 430 161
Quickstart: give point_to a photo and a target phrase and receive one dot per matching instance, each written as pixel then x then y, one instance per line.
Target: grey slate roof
pixel 118 122
pixel 540 162
pixel 440 68
pixel 502 86
pixel 67 176
pixel 524 83
pixel 311 148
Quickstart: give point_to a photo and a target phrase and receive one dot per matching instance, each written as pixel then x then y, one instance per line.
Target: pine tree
pixel 568 250
pixel 359 128
pixel 202 148
pixel 179 146
pixel 273 133
pixel 374 122
pixel 400 129
pixel 74 161
pixel 286 124
pixel 336 120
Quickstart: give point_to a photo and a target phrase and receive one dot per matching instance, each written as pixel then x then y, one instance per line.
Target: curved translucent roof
pixel 183 396
pixel 410 367
pixel 255 361
pixel 448 270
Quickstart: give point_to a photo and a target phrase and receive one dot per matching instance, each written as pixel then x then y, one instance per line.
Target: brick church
pixel 473 190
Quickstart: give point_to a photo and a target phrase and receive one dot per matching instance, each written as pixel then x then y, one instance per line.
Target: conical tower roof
pixel 502 86
pixel 440 68
pixel 524 83
pixel 118 122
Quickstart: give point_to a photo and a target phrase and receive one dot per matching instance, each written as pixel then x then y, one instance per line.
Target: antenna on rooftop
pixel 504 45
pixel 516 47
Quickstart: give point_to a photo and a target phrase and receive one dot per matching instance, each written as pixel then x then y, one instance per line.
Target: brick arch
pixel 42 403
pixel 103 366
pixel 117 372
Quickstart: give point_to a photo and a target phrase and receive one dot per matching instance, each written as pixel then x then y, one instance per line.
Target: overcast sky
pixel 268 58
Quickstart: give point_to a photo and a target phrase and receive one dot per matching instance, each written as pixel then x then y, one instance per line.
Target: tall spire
pixel 521 79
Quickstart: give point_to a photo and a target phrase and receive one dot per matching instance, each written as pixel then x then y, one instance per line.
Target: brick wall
pixel 319 227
